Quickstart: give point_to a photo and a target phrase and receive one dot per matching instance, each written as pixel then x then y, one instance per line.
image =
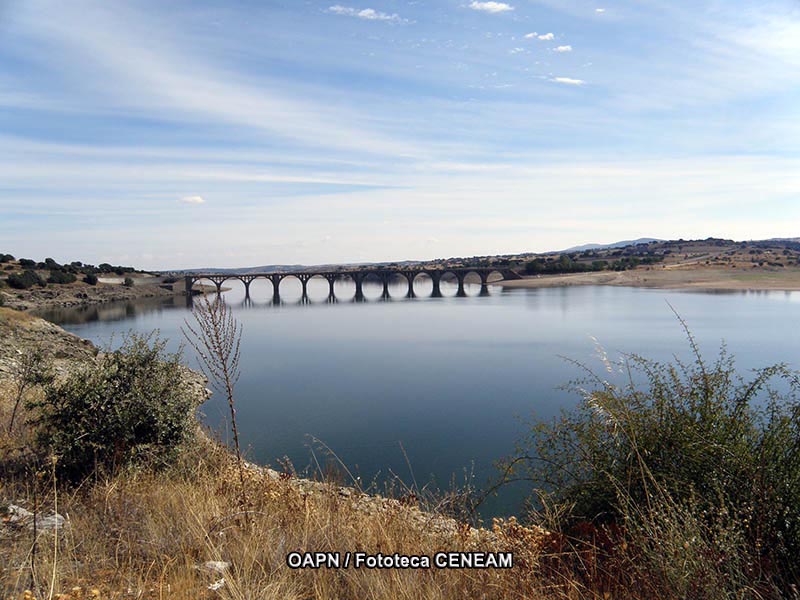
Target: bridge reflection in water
pixel 359 277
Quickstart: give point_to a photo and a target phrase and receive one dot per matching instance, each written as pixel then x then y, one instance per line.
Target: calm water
pixel 450 380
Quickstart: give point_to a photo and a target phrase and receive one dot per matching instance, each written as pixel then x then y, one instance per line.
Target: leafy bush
pixel 27 263
pixel 4 258
pixel 131 407
pixel 61 277
pixel 25 280
pixel 696 457
pixel 128 282
pixel 90 278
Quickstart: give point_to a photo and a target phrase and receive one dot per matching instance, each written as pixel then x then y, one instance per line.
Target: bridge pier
pixel 276 288
pixel 385 295
pixel 410 279
pixel 359 279
pixel 437 291
pixel 461 293
pixel 331 280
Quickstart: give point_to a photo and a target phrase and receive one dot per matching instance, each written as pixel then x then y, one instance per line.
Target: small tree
pixel 216 337
pixel 90 278
pixel 130 407
pixel 29 371
pixel 128 282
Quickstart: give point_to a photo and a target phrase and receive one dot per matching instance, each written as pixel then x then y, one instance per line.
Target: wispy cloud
pixel 192 200
pixel 547 37
pixel 566 48
pixel 568 81
pixel 600 10
pixel 491 7
pixel 368 14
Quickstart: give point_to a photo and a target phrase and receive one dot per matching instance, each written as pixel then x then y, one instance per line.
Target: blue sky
pixel 190 134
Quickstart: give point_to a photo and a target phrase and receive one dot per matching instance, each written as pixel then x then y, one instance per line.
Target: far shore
pixel 672 278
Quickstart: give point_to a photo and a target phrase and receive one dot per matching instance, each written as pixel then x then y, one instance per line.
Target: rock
pixel 17 515
pixel 50 522
pixel 217 566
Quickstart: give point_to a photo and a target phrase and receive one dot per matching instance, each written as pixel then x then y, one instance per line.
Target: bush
pixel 27 263
pixel 695 457
pixel 128 282
pixel 4 258
pixel 131 407
pixel 25 280
pixel 90 278
pixel 61 277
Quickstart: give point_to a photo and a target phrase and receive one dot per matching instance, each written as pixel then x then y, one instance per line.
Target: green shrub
pixel 27 263
pixel 695 454
pixel 90 278
pixel 4 258
pixel 25 280
pixel 128 282
pixel 131 407
pixel 61 277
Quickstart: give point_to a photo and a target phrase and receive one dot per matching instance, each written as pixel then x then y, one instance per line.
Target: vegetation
pixel 61 277
pixel 25 280
pixel 90 278
pixel 566 263
pixel 693 478
pixel 129 408
pixel 128 282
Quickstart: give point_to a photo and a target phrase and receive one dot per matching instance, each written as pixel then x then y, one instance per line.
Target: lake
pixel 432 388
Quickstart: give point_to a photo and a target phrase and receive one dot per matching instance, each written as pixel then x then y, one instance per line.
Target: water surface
pixel 449 380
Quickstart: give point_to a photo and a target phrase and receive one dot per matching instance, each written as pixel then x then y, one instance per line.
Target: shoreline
pixel 80 294
pixel 711 280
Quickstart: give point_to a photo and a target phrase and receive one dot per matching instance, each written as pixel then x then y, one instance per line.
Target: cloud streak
pixel 568 81
pixel 491 7
pixel 368 14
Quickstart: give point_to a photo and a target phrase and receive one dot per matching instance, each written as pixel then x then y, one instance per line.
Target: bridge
pixel 359 277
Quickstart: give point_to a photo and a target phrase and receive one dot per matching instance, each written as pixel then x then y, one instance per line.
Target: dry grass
pixel 145 535
pixel 10 316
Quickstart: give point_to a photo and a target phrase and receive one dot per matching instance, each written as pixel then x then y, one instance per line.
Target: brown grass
pixel 8 315
pixel 145 535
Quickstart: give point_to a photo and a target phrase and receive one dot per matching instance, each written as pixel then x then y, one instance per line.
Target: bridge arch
pixel 373 285
pixel 345 286
pixel 423 284
pixel 494 275
pixel 449 282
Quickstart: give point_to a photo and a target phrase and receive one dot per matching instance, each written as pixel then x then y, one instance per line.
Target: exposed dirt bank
pixel 79 294
pixel 674 278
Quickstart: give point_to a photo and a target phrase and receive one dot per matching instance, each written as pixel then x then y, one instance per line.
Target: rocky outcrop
pixel 78 294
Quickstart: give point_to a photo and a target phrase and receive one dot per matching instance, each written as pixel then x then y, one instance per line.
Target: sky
pixel 222 134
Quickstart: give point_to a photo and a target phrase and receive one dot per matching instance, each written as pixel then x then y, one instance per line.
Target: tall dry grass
pixel 149 535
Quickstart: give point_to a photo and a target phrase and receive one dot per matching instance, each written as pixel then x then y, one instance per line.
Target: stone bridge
pixel 358 276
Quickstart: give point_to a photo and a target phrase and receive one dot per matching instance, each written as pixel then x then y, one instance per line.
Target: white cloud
pixel 491 7
pixel 516 50
pixel 547 37
pixel 530 36
pixel 568 81
pixel 369 14
pixel 563 49
pixel 599 10
pixel 193 200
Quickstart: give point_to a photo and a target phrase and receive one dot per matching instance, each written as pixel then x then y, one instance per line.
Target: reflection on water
pixel 452 379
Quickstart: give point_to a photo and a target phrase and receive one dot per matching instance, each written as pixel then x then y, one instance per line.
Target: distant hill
pixel 621 244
